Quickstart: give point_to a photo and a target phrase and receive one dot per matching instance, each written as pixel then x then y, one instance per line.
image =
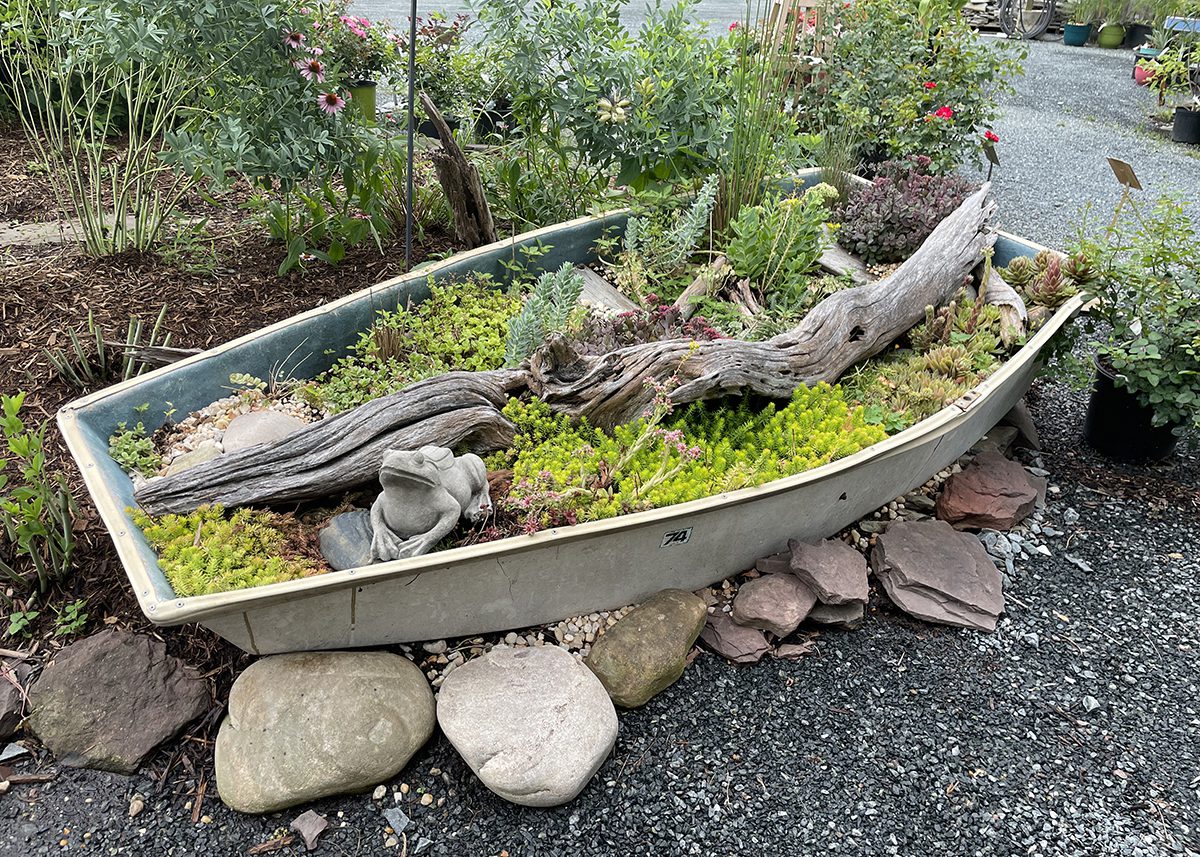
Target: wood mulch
pixel 214 290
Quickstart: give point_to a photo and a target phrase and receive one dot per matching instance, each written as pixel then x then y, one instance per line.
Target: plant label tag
pixel 676 537
pixel 1125 174
pixel 989 152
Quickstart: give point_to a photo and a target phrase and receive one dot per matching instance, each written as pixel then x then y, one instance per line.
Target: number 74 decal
pixel 676 537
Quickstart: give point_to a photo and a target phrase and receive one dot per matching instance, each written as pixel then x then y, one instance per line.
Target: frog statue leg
pixel 448 510
pixel 480 504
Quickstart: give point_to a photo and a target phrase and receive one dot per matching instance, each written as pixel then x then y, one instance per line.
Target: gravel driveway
pixel 1073 730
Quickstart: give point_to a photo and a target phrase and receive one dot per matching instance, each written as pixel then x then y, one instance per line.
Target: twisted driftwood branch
pixel 346 450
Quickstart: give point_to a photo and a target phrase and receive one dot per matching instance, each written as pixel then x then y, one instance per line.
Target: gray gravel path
pixel 896 739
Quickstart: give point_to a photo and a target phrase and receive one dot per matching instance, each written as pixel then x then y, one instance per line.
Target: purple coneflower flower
pixel 331 102
pixel 293 39
pixel 312 69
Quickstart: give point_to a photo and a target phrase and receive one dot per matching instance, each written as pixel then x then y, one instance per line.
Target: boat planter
pixel 1186 126
pixel 1119 426
pixel 1076 35
pixel 363 100
pixel 529 579
pixel 1110 36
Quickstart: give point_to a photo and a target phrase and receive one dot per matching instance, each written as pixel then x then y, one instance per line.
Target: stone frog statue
pixel 425 492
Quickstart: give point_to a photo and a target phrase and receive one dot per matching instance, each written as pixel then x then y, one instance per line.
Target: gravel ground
pixel 1073 730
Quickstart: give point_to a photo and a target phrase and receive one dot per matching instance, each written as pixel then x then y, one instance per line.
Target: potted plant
pixel 1144 316
pixel 1112 31
pixel 360 51
pixel 1175 78
pixel 1082 16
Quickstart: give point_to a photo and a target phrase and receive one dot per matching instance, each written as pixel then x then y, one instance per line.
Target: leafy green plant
pixel 37 512
pixel 361 49
pixel 1145 312
pixel 460 326
pixel 133 450
pixel 70 619
pixel 452 69
pixel 776 245
pixel 660 237
pixel 890 218
pixel 20 623
pixel 554 297
pixel 205 551
pixel 909 77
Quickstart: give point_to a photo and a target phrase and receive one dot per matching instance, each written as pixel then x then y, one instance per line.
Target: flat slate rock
pixel 534 724
pixel 936 573
pixel 258 427
pixel 12 699
pixel 646 651
pixel 108 700
pixel 992 492
pixel 308 725
pixel 346 540
pixel 774 602
pixel 849 616
pixel 734 642
pixel 832 569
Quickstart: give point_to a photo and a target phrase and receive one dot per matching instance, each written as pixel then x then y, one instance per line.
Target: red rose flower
pixel 991 136
pixel 929 84
pixel 733 26
pixel 944 113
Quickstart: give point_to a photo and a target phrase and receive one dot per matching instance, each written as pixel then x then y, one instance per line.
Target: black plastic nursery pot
pixel 1076 35
pixel 1137 34
pixel 1118 426
pixel 1186 127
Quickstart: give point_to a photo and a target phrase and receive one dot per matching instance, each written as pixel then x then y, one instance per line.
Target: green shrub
pixel 205 552
pixel 37 512
pixel 459 327
pixel 909 78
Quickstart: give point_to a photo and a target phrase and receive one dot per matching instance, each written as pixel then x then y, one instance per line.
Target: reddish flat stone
pixel 992 492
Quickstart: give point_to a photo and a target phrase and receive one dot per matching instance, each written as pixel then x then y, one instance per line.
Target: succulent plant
pixel 1078 269
pixel 1043 259
pixel 936 328
pixel 951 361
pixel 1019 273
pixel 1051 288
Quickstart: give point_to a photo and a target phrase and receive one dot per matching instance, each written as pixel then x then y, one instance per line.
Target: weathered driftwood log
pixel 346 450
pixel 460 180
pixel 1013 314
pixel 846 327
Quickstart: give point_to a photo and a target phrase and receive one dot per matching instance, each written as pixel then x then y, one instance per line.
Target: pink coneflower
pixel 331 102
pixel 312 69
pixel 293 39
pixel 315 52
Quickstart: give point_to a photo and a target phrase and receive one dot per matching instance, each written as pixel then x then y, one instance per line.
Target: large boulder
pixel 312 724
pixel 774 602
pixel 992 492
pixel 934 572
pixel 534 724
pixel 109 700
pixel 832 569
pixel 646 651
pixel 346 540
pixel 732 641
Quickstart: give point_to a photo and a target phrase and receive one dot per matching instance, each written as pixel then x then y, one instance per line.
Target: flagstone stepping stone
pixel 308 725
pixel 832 569
pixel 246 430
pixel 992 492
pixel 849 616
pixel 646 651
pixel 936 573
pixel 732 641
pixel 107 701
pixel 774 602
pixel 534 724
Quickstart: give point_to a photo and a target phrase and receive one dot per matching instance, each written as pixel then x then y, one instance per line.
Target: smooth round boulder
pixel 309 725
pixel 534 724
pixel 645 652
pixel 257 427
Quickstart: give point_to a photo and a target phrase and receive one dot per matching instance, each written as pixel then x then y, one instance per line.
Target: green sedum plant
pixel 460 326
pixel 133 450
pixel 564 471
pixel 205 552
